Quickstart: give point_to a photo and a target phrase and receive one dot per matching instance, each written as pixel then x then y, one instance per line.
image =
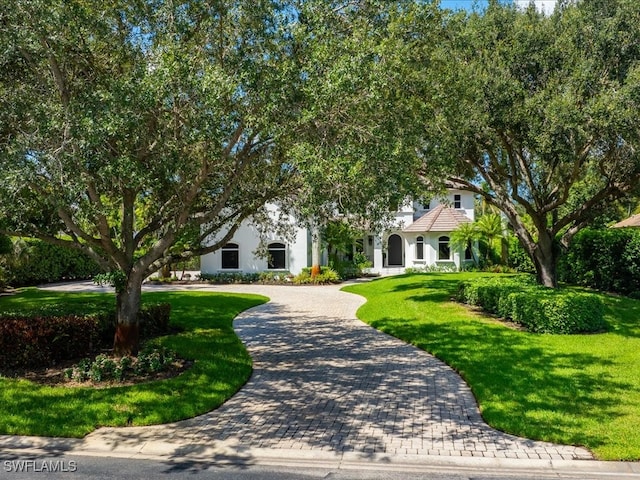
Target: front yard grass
pixel 222 365
pixel 569 389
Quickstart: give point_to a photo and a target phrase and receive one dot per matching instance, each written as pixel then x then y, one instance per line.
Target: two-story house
pixel 420 238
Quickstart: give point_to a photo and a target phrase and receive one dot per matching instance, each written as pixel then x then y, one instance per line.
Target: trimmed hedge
pixel 268 277
pixel 46 263
pixel 607 259
pixel 539 309
pixel 42 341
pixel 45 339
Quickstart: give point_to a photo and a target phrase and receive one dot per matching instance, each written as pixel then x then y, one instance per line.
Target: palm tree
pixel 464 237
pixel 490 228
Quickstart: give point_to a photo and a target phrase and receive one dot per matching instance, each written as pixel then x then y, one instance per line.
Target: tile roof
pixel 632 221
pixel 440 219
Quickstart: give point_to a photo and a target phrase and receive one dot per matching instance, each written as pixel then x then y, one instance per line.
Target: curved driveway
pixel 324 380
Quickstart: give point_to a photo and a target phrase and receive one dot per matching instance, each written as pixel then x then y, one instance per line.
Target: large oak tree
pixel 135 130
pixel 126 126
pixel 540 109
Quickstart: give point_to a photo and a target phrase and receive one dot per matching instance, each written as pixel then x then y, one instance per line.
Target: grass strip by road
pixel 570 389
pixel 222 365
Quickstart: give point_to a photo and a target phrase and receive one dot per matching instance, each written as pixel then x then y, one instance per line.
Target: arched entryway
pixel 395 257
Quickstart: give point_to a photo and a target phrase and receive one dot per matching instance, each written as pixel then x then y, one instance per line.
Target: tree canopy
pixel 542 110
pixel 137 131
pixel 127 124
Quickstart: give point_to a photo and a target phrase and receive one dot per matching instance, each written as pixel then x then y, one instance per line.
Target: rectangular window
pixel 457 201
pixel 277 256
pixel 230 256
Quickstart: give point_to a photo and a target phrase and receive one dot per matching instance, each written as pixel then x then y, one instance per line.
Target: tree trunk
pixel 315 252
pixel 127 337
pixel 545 260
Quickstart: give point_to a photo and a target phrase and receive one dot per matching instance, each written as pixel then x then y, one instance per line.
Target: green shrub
pixel 278 277
pixel 154 320
pixel 327 275
pixel 103 368
pixel 230 277
pixel 607 259
pixel 539 309
pixel 42 262
pixel 518 259
pixel 267 277
pixel 552 311
pixel 487 291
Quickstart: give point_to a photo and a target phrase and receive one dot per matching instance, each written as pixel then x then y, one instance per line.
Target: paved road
pixel 325 382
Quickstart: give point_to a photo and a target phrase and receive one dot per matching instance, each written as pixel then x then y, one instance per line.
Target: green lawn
pixel 222 366
pixel 571 389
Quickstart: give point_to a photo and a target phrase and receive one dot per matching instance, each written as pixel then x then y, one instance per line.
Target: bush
pixel 277 277
pixel 45 263
pixel 606 260
pixel 518 259
pixel 154 320
pixel 230 277
pixel 550 311
pixel 40 341
pixel 104 368
pixel 327 275
pixel 539 309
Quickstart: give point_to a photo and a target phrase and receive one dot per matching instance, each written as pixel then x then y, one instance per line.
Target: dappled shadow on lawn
pixel 332 385
pixel 325 383
pixel 525 387
pixel 221 367
pixel 627 315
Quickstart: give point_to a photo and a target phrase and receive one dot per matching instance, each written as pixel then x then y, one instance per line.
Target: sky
pixel 547 5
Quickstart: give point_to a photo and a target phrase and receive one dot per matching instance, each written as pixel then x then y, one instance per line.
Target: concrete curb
pixel 232 454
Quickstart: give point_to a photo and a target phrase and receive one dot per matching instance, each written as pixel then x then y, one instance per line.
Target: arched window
pixel 444 251
pixel 277 256
pixel 231 256
pixel 395 258
pixel 420 248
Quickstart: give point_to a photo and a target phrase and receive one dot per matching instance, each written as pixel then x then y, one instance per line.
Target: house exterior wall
pixel 247 237
pixel 406 216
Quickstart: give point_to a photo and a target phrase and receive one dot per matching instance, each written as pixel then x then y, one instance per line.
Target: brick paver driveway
pixel 323 380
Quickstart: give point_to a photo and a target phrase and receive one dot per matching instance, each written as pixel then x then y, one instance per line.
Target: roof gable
pixel 440 219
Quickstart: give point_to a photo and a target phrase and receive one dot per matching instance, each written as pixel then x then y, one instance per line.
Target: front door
pixel 395 251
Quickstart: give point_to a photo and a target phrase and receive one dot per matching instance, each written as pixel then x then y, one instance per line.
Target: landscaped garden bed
pixel 202 334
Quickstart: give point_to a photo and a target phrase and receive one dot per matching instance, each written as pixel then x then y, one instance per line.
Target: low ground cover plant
pixel 103 368
pixel 541 310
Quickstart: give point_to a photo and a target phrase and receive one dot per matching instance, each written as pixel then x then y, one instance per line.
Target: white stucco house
pixel 420 237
